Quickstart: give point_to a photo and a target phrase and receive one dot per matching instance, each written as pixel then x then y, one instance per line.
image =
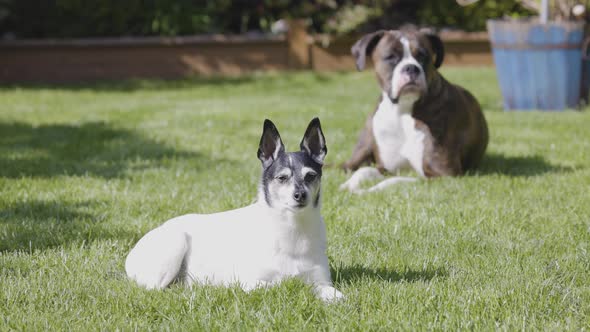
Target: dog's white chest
pixel 400 144
pixel 389 135
pixel 247 247
pixel 413 148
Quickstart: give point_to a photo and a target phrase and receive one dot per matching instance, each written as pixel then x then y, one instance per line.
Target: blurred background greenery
pixel 104 18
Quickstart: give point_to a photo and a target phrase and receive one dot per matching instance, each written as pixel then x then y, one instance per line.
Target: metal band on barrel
pixel 521 46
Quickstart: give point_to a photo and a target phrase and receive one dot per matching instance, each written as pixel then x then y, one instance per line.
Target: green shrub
pixel 101 18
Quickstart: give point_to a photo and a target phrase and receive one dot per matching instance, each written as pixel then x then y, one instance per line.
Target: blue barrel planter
pixel 585 93
pixel 539 66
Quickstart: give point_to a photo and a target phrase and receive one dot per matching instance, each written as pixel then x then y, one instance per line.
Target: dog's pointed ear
pixel 437 47
pixel 271 145
pixel 364 47
pixel 314 143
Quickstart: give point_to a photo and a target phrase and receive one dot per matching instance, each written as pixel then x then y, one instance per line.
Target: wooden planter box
pixel 461 49
pixel 86 60
pixel 112 59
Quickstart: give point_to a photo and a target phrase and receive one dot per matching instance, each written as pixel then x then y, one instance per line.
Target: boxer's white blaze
pixel 406 44
pixel 400 79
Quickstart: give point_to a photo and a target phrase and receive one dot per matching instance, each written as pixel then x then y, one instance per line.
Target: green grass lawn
pixel 86 170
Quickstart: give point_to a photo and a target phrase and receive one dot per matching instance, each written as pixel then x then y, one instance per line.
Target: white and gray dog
pixel 282 235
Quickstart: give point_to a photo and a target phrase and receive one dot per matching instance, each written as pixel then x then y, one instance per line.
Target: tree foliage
pixel 91 18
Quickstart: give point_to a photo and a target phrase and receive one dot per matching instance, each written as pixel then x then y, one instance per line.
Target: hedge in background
pixel 93 18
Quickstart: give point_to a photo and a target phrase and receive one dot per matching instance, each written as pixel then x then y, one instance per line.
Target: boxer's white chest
pixel 398 142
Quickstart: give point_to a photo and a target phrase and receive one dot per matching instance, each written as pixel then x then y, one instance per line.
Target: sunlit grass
pixel 86 170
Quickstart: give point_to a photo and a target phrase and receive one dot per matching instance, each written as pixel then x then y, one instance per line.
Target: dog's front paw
pixel 344 186
pixel 349 185
pixel 329 294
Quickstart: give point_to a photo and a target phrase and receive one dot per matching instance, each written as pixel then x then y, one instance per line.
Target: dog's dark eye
pixel 282 178
pixel 422 57
pixel 310 177
pixel 390 58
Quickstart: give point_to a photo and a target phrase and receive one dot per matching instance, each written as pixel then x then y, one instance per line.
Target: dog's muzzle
pixel 300 196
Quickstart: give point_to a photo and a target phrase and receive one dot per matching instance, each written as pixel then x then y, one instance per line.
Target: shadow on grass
pixel 35 225
pixel 267 79
pixel 93 148
pixel 518 166
pixel 350 274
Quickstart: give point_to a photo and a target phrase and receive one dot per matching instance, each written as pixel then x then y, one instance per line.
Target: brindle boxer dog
pixel 422 120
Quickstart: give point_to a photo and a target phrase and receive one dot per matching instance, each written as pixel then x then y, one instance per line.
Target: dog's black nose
pixel 411 70
pixel 300 196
